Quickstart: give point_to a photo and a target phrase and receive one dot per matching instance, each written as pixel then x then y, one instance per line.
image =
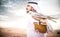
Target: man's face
pixel 30 8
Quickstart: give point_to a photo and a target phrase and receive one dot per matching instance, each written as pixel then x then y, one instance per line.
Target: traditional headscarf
pixel 35 6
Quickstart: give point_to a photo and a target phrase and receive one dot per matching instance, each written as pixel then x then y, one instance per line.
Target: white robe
pixel 30 27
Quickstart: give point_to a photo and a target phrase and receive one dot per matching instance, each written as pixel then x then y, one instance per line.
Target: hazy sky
pixel 12 10
pixel 48 7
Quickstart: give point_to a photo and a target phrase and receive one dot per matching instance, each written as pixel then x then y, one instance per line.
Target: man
pixel 32 9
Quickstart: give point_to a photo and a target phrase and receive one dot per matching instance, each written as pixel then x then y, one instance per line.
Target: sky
pixel 12 11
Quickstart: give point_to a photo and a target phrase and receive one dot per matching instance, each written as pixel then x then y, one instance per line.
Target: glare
pixel 19 21
pixel 16 21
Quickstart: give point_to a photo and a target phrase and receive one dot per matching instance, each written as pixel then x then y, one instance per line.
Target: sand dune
pixel 12 32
